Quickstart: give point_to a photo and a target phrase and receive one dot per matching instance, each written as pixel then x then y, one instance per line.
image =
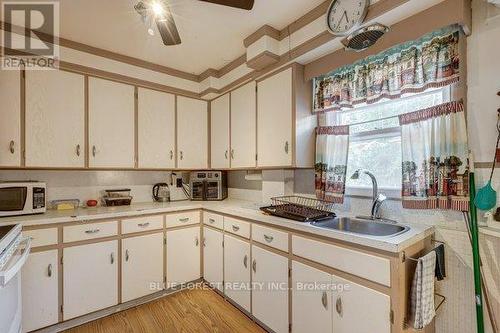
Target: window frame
pixel 367 191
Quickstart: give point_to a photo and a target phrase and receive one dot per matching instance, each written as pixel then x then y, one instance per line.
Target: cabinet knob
pixel 94 151
pixel 254 266
pixel 338 306
pixel 245 261
pixel 286 147
pixel 12 147
pixel 78 150
pixel 324 300
pixel 127 256
pixel 49 270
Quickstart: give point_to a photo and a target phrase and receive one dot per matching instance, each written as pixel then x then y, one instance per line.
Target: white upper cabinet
pixel 55 119
pixel 156 129
pixel 243 126
pixel 285 123
pixel 111 124
pixel 10 115
pixel 192 133
pixel 219 114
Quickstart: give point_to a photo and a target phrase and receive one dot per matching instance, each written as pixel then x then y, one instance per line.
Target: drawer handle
pixel 143 225
pixel 197 241
pixel 235 228
pixel 268 239
pixel 254 266
pixel 185 219
pixel 338 306
pixel 324 300
pixel 93 231
pixel 245 261
pixel 112 257
pixel 127 256
pixel 49 270
pixel 212 221
pixel 11 147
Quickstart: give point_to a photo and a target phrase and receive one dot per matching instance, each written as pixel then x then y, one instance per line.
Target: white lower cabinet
pixel 270 289
pixel 359 309
pixel 183 256
pixel 40 288
pixel 90 278
pixel 237 271
pixel 213 258
pixel 311 300
pixel 142 266
pixel 322 302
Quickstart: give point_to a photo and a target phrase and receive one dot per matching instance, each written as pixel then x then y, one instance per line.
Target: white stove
pixel 14 251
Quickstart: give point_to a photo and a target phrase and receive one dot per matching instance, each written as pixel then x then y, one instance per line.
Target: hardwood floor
pixel 198 310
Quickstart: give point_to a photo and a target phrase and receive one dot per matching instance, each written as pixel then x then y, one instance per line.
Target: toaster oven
pixel 208 185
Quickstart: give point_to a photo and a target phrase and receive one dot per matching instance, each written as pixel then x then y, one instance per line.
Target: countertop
pixel 239 208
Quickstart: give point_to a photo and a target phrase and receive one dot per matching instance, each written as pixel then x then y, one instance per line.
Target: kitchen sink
pixel 362 226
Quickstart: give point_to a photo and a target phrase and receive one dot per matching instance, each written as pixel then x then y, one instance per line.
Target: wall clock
pixel 344 16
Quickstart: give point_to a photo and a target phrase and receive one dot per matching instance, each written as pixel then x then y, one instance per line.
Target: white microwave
pixel 22 198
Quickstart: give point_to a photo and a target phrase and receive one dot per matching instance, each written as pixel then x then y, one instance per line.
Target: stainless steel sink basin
pixel 362 227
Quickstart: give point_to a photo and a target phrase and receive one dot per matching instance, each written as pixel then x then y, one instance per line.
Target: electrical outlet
pixel 179 182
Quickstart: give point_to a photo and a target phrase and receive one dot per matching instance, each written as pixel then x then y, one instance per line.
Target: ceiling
pixel 212 35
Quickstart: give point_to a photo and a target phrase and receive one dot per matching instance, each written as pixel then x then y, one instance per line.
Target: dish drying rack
pixel 299 208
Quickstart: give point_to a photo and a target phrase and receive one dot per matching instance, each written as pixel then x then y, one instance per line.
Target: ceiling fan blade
pixel 167 28
pixel 242 4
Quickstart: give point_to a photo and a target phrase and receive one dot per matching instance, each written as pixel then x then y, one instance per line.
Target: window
pixel 375 138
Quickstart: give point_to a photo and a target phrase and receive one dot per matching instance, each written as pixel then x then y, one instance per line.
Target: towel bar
pixel 405 257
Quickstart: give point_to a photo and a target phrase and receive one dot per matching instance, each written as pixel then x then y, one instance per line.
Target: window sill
pixel 367 192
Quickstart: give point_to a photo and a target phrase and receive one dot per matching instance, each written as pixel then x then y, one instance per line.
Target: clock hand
pixel 346 17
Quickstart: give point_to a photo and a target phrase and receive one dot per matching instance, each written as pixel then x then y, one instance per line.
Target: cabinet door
pixel 192 133
pixel 270 293
pixel 40 290
pixel 312 309
pixel 183 256
pixel 237 271
pixel 10 113
pixel 243 126
pixel 55 119
pixel 156 129
pixel 274 120
pixel 219 115
pixel 111 124
pixel 142 266
pixel 90 278
pixel 353 301
pixel 213 253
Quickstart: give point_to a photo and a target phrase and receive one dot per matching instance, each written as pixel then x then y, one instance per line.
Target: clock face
pixel 346 15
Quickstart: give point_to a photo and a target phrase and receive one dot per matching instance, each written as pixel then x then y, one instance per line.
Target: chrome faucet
pixel 377 198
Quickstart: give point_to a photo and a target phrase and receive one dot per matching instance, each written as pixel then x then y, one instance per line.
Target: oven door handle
pixel 7 275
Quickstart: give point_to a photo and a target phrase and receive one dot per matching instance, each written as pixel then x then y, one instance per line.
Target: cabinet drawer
pixel 270 237
pixel 362 264
pixel 90 231
pixel 213 220
pixel 237 227
pixel 42 237
pixel 140 224
pixel 180 219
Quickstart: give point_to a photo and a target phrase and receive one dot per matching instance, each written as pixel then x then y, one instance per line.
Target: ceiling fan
pixel 157 12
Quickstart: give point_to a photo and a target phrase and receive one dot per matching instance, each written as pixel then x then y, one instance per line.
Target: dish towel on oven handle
pixel 422 309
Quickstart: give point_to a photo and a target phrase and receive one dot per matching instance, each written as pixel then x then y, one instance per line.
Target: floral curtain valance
pixel 435 158
pixel 332 145
pixel 431 61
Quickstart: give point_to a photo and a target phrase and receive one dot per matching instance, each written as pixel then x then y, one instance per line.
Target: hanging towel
pixel 422 294
pixel 440 266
